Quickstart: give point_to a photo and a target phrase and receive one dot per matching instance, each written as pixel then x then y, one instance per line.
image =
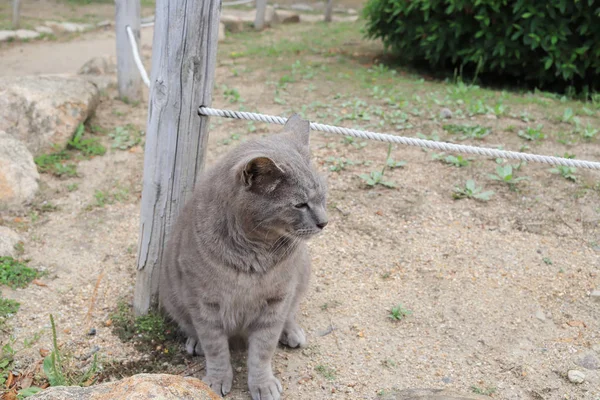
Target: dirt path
pixel 61 57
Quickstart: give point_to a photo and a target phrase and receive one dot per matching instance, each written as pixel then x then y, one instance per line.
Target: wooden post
pixel 16 14
pixel 328 10
pixel 261 10
pixel 184 54
pixel 127 12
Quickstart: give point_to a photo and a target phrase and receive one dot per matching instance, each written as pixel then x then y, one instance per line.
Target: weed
pixel 331 304
pixel 471 191
pixel 8 308
pixel 232 137
pixel 6 360
pixel 457 161
pixel 433 136
pixel 566 172
pixel 568 116
pixel 391 164
pixel 398 313
pixel 58 371
pixel 547 261
pixel 89 147
pixel 232 95
pixel 15 274
pixel 71 187
pixel 504 173
pixel 338 164
pixel 468 131
pixel 389 363
pixel 147 330
pixel 55 164
pixel 326 372
pixel 588 133
pixel 350 140
pixel 376 177
pixel 532 134
pixel 101 198
pixel 484 391
pixel 125 137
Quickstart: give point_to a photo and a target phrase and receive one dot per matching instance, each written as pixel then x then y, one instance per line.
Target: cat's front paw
pixel 293 336
pixel 265 389
pixel 220 384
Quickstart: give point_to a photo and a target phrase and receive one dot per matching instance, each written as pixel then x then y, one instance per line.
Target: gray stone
pixel 69 27
pixel 588 361
pixel 539 314
pixel 44 29
pixel 7 35
pixel 142 386
pixel 44 111
pixel 26 34
pixel 8 240
pixel 302 7
pixel 576 376
pixel 233 24
pixel 445 113
pixel 428 394
pixel 18 173
pixel 99 66
pixel 595 294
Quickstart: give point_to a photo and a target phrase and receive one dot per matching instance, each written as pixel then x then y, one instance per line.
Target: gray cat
pixel 237 263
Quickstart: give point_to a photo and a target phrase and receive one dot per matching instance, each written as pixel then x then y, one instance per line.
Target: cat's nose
pixel 322 225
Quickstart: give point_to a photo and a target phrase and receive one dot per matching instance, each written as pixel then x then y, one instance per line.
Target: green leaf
pixel 30 391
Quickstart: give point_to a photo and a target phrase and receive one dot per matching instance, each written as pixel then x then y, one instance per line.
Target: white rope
pixel 235 3
pixel 429 144
pixel 136 56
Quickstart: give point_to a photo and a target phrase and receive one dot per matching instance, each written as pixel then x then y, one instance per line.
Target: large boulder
pixel 44 111
pixel 137 387
pixel 18 173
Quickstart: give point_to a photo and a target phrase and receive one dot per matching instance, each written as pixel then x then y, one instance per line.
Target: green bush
pixel 548 43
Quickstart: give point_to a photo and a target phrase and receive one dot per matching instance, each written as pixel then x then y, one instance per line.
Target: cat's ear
pixel 262 173
pixel 299 128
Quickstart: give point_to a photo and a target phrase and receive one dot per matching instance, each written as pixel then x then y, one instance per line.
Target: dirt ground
pixel 499 291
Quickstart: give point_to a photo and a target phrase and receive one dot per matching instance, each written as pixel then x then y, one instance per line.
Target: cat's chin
pixel 306 233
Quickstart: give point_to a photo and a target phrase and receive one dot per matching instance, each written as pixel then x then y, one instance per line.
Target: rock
pixel 18 173
pixel 539 314
pixel 142 386
pixel 221 31
pixel 428 394
pixel 44 111
pixel 44 29
pixel 232 23
pixel 286 17
pixel 576 376
pixel 595 295
pixel 302 7
pixel 588 361
pixel 351 11
pixel 99 66
pixel 26 34
pixel 7 35
pixel 69 27
pixel 8 240
pixel 445 113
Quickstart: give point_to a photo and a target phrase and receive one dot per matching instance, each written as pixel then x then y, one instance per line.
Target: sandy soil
pixel 499 291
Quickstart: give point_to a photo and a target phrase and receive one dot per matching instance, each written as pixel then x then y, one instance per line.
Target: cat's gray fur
pixel 237 262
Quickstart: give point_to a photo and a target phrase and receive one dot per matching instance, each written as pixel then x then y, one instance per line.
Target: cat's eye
pixel 301 206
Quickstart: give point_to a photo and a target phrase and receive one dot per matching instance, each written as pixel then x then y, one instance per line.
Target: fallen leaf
pixel 379 212
pixel 9 396
pixel 577 323
pixel 26 382
pixel 10 380
pixel 39 283
pixel 108 322
pixel 44 352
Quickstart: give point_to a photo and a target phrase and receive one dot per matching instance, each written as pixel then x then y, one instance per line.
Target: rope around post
pixel 136 56
pixel 429 144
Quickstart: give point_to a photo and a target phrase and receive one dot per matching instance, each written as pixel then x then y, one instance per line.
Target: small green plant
pixel 56 368
pixel 566 172
pixel 147 330
pixel 55 164
pixel 457 161
pixel 467 131
pixel 376 177
pixel 391 164
pixel 8 307
pixel 484 391
pixel 232 95
pixel 471 191
pixel 71 187
pixel 532 134
pixel 350 140
pixel 7 356
pixel 505 173
pixel 567 116
pixel 588 133
pixel 326 372
pixel 338 164
pixel 15 274
pixel 125 137
pixel 101 198
pixel 398 313
pixel 89 147
pixel 547 261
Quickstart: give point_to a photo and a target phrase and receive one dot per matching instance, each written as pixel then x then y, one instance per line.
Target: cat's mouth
pixel 306 232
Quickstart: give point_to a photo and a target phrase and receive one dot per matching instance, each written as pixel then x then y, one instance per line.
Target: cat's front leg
pixel 215 344
pixel 262 342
